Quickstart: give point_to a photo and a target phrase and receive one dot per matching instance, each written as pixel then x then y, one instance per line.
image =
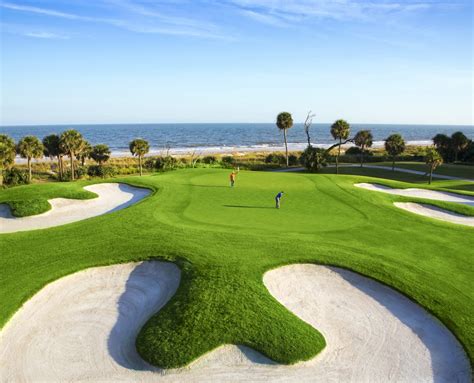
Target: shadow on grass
pixel 249 207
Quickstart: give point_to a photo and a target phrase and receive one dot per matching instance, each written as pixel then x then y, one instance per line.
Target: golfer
pixel 232 179
pixel 277 199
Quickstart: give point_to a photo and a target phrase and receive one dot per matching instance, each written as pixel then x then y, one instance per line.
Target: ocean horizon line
pixel 29 125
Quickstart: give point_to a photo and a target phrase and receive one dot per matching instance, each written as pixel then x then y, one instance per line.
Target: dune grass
pixel 225 239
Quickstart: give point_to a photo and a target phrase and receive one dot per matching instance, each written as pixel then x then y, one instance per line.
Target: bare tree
pixel 194 157
pixel 307 125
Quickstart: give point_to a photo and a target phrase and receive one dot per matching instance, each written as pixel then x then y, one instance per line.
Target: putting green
pixel 224 240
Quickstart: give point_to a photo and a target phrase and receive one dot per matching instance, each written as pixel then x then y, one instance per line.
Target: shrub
pixel 209 160
pixel 166 163
pixel 353 151
pixel 227 160
pixel 274 158
pixel 149 163
pixel 313 158
pixel 15 176
pixel 293 159
pixel 101 171
pixel 79 172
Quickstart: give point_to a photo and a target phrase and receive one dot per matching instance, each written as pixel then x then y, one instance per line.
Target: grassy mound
pixel 225 239
pixel 33 199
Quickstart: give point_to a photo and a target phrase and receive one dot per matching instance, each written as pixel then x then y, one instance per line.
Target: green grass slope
pixel 33 199
pixel 225 239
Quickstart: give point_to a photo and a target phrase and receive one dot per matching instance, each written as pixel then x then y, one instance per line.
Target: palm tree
pixel 100 153
pixel 441 141
pixel 84 152
pixel 284 122
pixel 459 142
pixel 444 146
pixel 52 149
pixel 394 145
pixel 340 130
pixel 71 142
pixel 7 154
pixel 30 147
pixel 433 159
pixel 363 139
pixel 139 147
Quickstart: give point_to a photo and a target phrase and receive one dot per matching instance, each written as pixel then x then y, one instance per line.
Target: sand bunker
pixel 436 212
pixel 426 210
pixel 83 328
pixel 111 197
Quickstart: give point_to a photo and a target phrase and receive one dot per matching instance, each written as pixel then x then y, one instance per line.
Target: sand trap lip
pixel 436 212
pixel 111 197
pixel 427 210
pixel 420 193
pixel 83 327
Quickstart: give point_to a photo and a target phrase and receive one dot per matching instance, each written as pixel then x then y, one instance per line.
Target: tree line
pixel 445 149
pixel 69 143
pixel 73 145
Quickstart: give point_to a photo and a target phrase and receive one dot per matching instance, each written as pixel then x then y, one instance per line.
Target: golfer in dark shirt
pixel 277 199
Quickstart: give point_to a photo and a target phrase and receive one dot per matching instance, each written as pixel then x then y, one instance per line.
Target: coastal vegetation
pixel 433 159
pixel 71 142
pixel 340 130
pixel 394 145
pixel 284 122
pixel 7 154
pixel 363 140
pixel 30 147
pixel 139 148
pixel 313 158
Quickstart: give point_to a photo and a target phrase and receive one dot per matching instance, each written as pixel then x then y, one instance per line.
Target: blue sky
pixel 112 61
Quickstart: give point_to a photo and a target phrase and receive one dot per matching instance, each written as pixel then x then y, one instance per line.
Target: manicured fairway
pixel 224 239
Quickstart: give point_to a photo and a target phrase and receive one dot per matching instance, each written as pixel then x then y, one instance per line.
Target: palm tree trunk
pixel 61 167
pixel 71 155
pixel 338 154
pixel 286 148
pixel 431 175
pixel 361 156
pixel 393 163
pixel 29 169
pixel 140 164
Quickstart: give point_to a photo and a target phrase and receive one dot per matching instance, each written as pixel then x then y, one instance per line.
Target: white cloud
pixel 331 9
pixel 46 35
pixel 42 11
pixel 159 23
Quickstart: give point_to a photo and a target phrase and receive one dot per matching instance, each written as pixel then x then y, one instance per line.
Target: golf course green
pixel 224 239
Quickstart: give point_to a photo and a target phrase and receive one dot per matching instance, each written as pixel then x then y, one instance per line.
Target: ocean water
pixel 215 137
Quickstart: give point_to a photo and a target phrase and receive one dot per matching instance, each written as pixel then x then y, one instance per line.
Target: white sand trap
pixel 83 327
pixel 426 210
pixel 111 197
pixel 436 212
